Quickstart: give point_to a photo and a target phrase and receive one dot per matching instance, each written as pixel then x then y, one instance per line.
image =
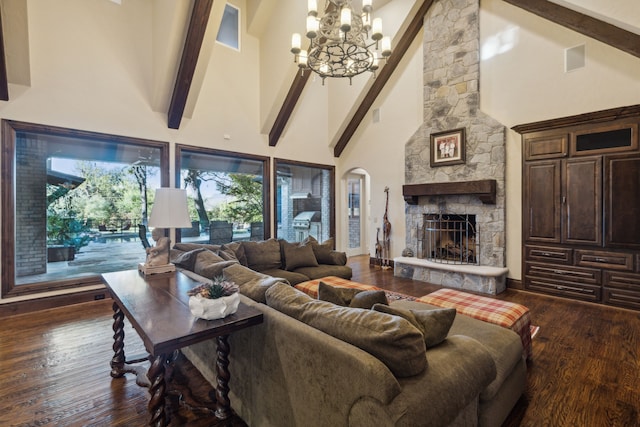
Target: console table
pixel 158 308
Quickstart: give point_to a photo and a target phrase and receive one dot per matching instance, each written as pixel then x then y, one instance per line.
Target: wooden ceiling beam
pixel 190 53
pixel 602 31
pixel 4 81
pixel 412 29
pixel 299 82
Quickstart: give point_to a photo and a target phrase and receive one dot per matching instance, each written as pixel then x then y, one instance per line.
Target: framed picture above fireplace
pixel 448 148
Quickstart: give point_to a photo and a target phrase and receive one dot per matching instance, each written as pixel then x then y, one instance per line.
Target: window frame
pixel 239 25
pixel 266 176
pixel 277 162
pixel 10 129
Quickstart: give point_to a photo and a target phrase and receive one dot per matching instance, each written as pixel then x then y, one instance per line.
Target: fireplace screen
pixel 449 238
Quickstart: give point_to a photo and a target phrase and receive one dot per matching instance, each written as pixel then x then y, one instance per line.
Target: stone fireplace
pixel 449 238
pixel 475 187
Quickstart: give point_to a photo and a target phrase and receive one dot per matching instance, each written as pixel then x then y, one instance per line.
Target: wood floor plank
pixel 54 365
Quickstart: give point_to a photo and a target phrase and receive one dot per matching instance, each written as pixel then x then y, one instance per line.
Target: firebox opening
pixel 449 238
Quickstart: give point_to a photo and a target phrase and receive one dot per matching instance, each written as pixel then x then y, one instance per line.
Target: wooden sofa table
pixel 158 308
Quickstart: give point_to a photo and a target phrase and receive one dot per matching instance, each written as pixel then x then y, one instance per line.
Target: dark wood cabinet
pixel 622 211
pixel 581 207
pixel 542 190
pixel 582 201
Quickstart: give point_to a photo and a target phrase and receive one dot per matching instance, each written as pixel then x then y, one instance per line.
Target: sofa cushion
pixel 186 260
pixel 324 270
pixel 393 340
pixel 210 265
pixel 503 344
pixel 185 247
pixel 237 249
pixel 434 324
pixel 251 283
pixel 263 255
pixel 297 255
pixel 350 297
pixel 292 277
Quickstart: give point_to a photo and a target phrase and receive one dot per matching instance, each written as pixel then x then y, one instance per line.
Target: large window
pixel 304 200
pixel 72 202
pixel 227 194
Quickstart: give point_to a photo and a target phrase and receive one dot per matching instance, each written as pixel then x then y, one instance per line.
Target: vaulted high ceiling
pixel 186 56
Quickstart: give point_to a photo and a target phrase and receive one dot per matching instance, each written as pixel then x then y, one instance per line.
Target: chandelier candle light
pixel 339 40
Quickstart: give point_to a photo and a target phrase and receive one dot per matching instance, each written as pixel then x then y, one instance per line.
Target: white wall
pixel 522 80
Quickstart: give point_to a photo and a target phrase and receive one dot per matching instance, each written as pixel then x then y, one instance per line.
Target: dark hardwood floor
pixel 54 366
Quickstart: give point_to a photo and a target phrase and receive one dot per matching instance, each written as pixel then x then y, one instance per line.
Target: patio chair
pixel 142 233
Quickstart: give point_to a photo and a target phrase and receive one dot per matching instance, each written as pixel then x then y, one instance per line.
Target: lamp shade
pixel 170 209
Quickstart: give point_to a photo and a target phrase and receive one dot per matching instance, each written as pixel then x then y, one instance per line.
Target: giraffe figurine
pixel 378 249
pixel 386 233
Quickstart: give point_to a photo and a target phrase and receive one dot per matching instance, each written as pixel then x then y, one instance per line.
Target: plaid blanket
pixel 503 313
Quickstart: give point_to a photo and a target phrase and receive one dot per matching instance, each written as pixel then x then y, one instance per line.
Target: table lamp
pixel 169 211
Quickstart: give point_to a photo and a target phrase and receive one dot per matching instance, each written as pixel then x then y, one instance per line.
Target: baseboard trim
pixel 515 284
pixel 38 304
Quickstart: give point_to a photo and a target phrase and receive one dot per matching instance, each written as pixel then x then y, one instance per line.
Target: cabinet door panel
pixel 541 220
pixel 582 210
pixel 622 201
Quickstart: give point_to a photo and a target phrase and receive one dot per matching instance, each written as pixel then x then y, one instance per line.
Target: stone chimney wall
pixel 452 100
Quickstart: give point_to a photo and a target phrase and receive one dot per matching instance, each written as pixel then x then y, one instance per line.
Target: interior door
pixel 355 191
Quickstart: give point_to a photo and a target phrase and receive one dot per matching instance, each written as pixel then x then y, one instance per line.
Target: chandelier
pixel 339 41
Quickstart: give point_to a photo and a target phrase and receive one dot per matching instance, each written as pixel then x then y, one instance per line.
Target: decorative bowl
pixel 210 309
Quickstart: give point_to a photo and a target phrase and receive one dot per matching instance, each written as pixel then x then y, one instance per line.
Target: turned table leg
pixel 157 390
pixel 118 360
pixel 223 409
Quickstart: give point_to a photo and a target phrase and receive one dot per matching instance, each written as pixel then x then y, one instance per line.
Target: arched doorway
pixel 357 196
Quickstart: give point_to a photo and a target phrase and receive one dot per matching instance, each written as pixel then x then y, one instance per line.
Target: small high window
pixel 229 34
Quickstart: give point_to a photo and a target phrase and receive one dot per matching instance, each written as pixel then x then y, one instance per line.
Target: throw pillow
pixel 367 299
pixel 322 250
pixel 251 283
pixel 213 270
pixel 391 339
pixel 187 260
pixel 237 249
pixel 263 255
pixel 434 324
pixel 347 297
pixel 297 255
pixel 227 255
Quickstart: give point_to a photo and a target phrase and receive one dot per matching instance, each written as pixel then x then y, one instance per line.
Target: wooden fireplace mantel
pixel 485 189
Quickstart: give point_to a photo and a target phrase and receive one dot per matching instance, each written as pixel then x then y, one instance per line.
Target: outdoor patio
pixel 107 252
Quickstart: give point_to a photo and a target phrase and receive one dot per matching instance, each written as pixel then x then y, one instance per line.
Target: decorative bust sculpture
pixel 158 254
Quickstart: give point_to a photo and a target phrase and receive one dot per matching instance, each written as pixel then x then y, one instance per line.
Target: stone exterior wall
pixel 31 207
pixel 451 101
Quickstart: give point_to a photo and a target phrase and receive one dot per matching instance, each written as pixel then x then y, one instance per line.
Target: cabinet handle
pixel 563 288
pixel 601 260
pixel 559 272
pixel 545 254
